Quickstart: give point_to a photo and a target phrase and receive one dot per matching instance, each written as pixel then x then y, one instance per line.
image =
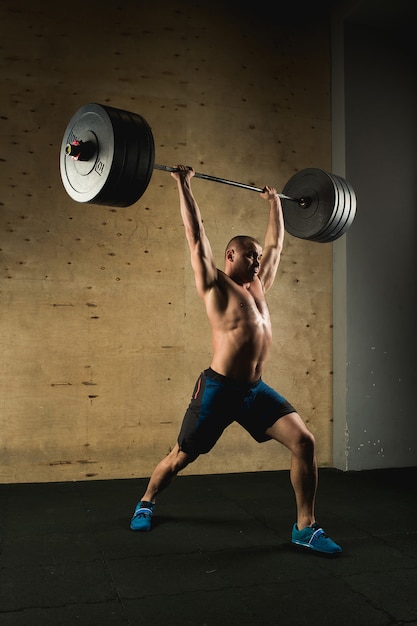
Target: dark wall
pixel 380 99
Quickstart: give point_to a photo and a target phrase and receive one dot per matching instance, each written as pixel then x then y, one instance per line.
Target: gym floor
pixel 218 553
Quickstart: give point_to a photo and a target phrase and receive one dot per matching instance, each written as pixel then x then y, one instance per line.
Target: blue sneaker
pixel 314 538
pixel 142 516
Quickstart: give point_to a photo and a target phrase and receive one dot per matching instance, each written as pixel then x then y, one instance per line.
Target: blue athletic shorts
pixel 217 401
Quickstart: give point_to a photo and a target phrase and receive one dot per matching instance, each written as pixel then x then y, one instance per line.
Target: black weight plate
pixel 109 194
pixel 119 170
pixel 136 170
pixel 145 155
pixel 113 193
pixel 347 216
pixel 337 216
pixel 324 196
pixel 343 204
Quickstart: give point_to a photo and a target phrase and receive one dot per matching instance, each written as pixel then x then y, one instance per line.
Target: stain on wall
pixel 103 334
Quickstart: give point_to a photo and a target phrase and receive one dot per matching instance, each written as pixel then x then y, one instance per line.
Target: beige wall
pixel 103 334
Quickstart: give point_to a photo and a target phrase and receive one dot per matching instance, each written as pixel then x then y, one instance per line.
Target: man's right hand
pixel 185 172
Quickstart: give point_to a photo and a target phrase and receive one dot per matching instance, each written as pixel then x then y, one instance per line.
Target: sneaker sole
pixel 310 548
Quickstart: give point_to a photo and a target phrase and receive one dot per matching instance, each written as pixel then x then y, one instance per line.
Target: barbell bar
pixel 216 179
pixel 108 155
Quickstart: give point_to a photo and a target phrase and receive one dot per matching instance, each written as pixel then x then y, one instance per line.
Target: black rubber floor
pixel 218 554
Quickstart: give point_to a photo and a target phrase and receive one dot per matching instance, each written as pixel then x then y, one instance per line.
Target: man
pixel 232 388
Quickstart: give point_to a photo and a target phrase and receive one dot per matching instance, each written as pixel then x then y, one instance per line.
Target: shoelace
pixel 142 512
pixel 318 532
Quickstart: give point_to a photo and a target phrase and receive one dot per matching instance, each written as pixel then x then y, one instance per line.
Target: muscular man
pixel 232 389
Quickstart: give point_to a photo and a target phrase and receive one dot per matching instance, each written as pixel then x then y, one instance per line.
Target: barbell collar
pixel 81 150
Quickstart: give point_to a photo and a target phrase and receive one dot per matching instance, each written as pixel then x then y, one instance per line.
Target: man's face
pixel 246 261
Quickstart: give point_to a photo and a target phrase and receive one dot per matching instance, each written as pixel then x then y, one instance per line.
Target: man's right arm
pixel 202 259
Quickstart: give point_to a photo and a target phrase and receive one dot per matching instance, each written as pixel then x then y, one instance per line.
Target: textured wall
pixel 103 334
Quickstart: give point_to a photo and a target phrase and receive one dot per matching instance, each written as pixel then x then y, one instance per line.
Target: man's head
pixel 242 258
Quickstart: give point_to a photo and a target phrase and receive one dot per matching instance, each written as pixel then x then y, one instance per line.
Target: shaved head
pixel 240 241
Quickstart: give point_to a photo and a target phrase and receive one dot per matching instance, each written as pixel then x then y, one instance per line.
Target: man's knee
pixel 178 459
pixel 291 431
pixel 305 444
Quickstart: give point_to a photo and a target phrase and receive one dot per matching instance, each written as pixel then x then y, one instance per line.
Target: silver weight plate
pixel 84 180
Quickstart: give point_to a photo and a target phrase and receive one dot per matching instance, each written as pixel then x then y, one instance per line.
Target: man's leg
pixel 163 474
pixel 291 431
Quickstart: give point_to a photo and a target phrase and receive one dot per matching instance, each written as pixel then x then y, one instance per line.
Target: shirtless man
pixel 232 389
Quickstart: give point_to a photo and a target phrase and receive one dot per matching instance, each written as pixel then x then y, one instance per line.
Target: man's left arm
pixel 274 239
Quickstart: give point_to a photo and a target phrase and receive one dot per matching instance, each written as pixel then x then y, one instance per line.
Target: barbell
pixel 108 155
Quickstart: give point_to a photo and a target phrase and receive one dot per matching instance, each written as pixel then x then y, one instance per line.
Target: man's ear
pixel 230 255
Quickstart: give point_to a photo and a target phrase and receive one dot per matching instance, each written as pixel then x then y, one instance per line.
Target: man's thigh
pixel 289 430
